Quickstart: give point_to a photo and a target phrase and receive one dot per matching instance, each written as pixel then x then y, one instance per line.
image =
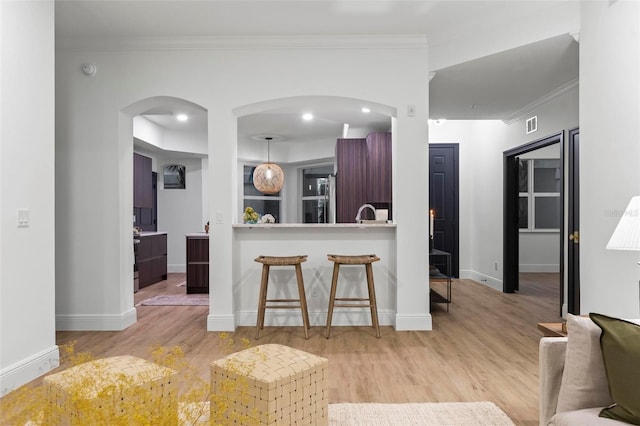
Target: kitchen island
pixel 151 258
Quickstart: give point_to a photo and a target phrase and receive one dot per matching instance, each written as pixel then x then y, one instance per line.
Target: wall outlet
pixel 219 218
pixel 495 266
pixel 24 218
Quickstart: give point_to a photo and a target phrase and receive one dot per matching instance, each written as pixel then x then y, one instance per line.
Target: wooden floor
pixel 484 349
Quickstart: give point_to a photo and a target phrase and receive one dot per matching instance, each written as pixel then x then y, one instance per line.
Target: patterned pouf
pixel 268 385
pixel 117 390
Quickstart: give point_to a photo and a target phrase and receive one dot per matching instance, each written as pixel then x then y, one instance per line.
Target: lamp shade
pixel 268 178
pixel 627 233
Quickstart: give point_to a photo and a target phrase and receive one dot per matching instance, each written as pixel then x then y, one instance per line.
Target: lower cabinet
pixel 197 263
pixel 152 259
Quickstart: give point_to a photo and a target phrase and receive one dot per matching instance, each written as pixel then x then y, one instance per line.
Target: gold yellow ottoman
pixel 117 390
pixel 270 385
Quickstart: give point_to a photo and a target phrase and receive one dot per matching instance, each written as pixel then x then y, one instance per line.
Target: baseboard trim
pixel 96 322
pixel 293 317
pixel 28 369
pixel 487 280
pixel 551 268
pixel 414 322
pixel 221 323
pixel 177 268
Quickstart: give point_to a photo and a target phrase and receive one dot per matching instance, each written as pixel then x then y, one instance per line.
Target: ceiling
pixel 496 86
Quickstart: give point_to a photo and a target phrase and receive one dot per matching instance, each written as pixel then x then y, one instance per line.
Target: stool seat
pixel 353 302
pixel 281 260
pixel 264 303
pixel 353 260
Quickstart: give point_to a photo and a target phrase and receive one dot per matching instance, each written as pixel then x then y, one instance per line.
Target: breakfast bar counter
pixel 316 241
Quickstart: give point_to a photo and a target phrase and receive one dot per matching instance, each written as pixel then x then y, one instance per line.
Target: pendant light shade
pixel 268 177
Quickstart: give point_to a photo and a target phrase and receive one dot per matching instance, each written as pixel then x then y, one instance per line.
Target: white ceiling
pixel 491 87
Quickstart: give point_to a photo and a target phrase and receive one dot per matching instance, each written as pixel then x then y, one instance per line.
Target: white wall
pixel 27 334
pixel 482 144
pixel 180 210
pixel 94 120
pixel 609 152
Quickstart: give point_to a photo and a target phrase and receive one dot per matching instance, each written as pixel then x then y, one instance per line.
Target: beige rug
pixel 424 414
pixel 417 414
pixel 176 300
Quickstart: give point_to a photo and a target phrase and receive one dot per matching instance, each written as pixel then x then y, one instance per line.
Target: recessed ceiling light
pixel 182 117
pixel 366 110
pixel 307 116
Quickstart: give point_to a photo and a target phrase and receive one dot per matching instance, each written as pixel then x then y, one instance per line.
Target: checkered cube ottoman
pixel 117 390
pixel 270 385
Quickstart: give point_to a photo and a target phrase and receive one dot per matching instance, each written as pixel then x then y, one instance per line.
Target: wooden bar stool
pixel 267 262
pixel 365 260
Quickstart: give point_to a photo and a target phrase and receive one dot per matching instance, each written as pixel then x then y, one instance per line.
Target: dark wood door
pixel 443 199
pixel 511 230
pixel 573 241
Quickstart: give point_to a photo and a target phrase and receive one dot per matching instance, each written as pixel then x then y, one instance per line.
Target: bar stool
pixel 267 262
pixel 365 260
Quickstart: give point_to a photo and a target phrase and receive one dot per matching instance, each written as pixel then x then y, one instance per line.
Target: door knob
pixel 575 237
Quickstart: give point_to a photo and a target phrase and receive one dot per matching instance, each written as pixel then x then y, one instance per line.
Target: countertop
pixel 198 235
pixel 314 225
pixel 151 233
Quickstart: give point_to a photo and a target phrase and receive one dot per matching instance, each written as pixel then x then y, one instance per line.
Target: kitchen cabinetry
pixel 378 168
pixel 142 181
pixel 152 258
pixel 363 175
pixel 197 263
pixel 351 191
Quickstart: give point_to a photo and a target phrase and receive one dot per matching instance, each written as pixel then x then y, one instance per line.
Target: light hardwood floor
pixel 484 349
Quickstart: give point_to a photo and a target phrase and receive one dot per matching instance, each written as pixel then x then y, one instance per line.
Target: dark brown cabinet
pixel 363 176
pixel 152 259
pixel 351 192
pixel 198 263
pixel 379 168
pixel 142 181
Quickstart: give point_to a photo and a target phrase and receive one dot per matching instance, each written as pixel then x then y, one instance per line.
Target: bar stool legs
pixel 365 260
pixel 264 303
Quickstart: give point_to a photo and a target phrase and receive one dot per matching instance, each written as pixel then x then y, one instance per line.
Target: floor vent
pixel 532 124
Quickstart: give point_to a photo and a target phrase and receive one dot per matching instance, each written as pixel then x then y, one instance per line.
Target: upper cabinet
pixel 142 181
pixel 379 168
pixel 363 175
pixel 351 177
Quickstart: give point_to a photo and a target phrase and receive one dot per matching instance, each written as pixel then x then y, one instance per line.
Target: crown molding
pixel 530 108
pixel 392 41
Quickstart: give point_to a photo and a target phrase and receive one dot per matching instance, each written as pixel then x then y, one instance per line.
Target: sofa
pixel 574 386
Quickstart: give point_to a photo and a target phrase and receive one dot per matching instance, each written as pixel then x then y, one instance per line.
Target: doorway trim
pixel 573 223
pixel 511 233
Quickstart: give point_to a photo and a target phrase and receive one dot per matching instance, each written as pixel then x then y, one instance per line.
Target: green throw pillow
pixel 620 343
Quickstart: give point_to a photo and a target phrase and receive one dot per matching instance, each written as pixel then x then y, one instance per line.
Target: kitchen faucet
pixel 362 207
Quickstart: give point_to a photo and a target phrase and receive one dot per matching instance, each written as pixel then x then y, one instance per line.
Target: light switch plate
pixel 219 217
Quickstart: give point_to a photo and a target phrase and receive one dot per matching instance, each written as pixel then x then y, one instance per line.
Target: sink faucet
pixel 362 207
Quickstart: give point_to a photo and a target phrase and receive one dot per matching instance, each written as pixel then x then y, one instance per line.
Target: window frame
pixel 531 196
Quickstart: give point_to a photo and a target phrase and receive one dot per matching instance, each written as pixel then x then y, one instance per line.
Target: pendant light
pixel 268 177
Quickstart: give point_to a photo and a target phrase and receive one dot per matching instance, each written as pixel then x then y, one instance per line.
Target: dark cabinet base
pixel 198 264
pixel 152 259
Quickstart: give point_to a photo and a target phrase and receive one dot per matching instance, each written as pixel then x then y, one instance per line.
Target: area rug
pixel 416 414
pixel 425 414
pixel 176 300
